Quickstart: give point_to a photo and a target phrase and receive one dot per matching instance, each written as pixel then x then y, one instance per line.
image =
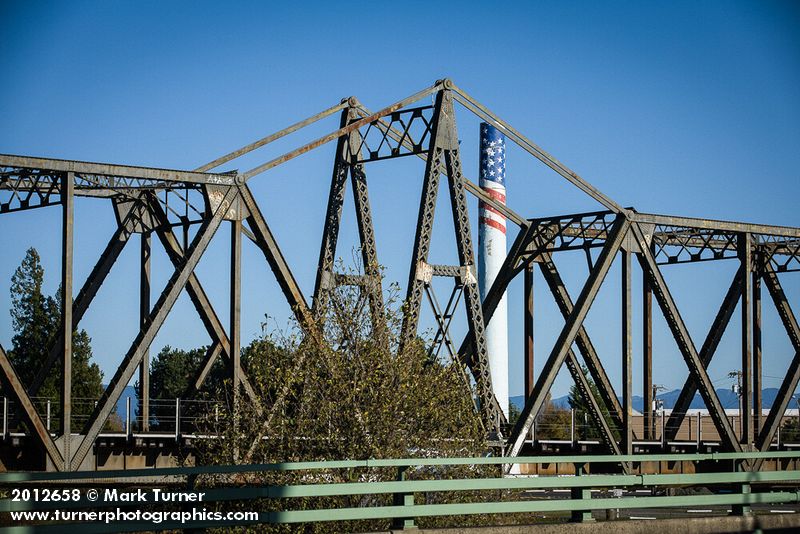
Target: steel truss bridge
pixel 174 205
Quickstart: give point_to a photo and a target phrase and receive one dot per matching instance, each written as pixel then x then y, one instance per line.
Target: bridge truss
pixel 183 210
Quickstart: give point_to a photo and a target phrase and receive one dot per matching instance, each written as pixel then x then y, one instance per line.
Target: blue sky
pixel 683 108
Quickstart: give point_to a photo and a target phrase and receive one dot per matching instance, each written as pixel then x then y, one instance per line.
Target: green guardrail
pixel 405 507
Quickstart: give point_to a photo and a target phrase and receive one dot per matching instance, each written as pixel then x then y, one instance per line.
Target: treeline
pixel 36 320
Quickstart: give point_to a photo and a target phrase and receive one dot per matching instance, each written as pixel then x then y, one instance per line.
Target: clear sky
pixel 687 108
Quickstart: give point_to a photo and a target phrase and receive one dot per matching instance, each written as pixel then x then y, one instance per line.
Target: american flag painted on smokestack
pixel 492 253
pixel 493 175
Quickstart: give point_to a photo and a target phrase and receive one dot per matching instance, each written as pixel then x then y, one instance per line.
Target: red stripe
pixel 497 195
pixel 487 207
pixel 493 224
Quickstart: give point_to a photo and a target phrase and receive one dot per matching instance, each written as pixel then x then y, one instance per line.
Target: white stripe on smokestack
pixel 492 253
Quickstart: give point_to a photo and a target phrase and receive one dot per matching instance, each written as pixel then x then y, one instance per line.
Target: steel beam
pixel 280 268
pixel 648 420
pixel 567 337
pixel 707 351
pixel 235 332
pixel 266 242
pixel 272 137
pixel 473 188
pixel 443 158
pixel 532 148
pixel 528 327
pixel 584 342
pixel 757 382
pixel 343 131
pixel 434 167
pixel 197 295
pixel 325 282
pixel 684 341
pixel 493 413
pixel 159 313
pixel 112 170
pixel 790 380
pixel 586 393
pixel 627 356
pixel 212 353
pixel 369 253
pixel 144 314
pixel 13 386
pixel 746 394
pixel 712 224
pixel 67 199
pixel 557 287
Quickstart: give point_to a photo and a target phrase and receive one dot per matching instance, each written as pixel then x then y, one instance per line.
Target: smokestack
pixel 492 253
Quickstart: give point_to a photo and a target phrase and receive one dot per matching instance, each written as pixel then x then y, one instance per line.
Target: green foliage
pixel 585 427
pixel 513 414
pixel 790 430
pixel 36 319
pixel 553 422
pixel 172 373
pixel 347 394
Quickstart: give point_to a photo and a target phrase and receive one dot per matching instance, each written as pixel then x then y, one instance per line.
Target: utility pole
pixel 737 388
pixel 657 407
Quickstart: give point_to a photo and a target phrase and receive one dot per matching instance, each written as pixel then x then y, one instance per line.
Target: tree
pixel 346 394
pixel 36 320
pixel 585 426
pixel 790 430
pixel 553 421
pixel 171 374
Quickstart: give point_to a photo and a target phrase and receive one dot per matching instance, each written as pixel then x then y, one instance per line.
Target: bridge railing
pixel 185 417
pixel 418 488
pixel 175 417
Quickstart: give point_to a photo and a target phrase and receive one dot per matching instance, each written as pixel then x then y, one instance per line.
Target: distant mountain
pixel 728 398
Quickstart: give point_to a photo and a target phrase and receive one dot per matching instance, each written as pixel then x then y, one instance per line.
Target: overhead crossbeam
pixel 114 176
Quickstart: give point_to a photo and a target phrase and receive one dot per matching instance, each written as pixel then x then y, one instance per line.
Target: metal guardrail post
pixel 663 427
pixel 403 499
pixel 699 430
pixel 572 426
pixel 581 516
pixel 47 420
pixel 128 425
pixel 744 489
pixel 177 419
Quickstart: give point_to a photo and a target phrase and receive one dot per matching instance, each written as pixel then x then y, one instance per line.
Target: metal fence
pixel 412 498
pixel 178 417
pixel 185 417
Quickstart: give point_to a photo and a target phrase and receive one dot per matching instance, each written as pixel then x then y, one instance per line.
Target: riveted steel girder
pixel 160 311
pixel 567 336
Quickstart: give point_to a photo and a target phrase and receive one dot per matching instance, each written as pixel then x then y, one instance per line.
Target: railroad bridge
pixel 184 209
